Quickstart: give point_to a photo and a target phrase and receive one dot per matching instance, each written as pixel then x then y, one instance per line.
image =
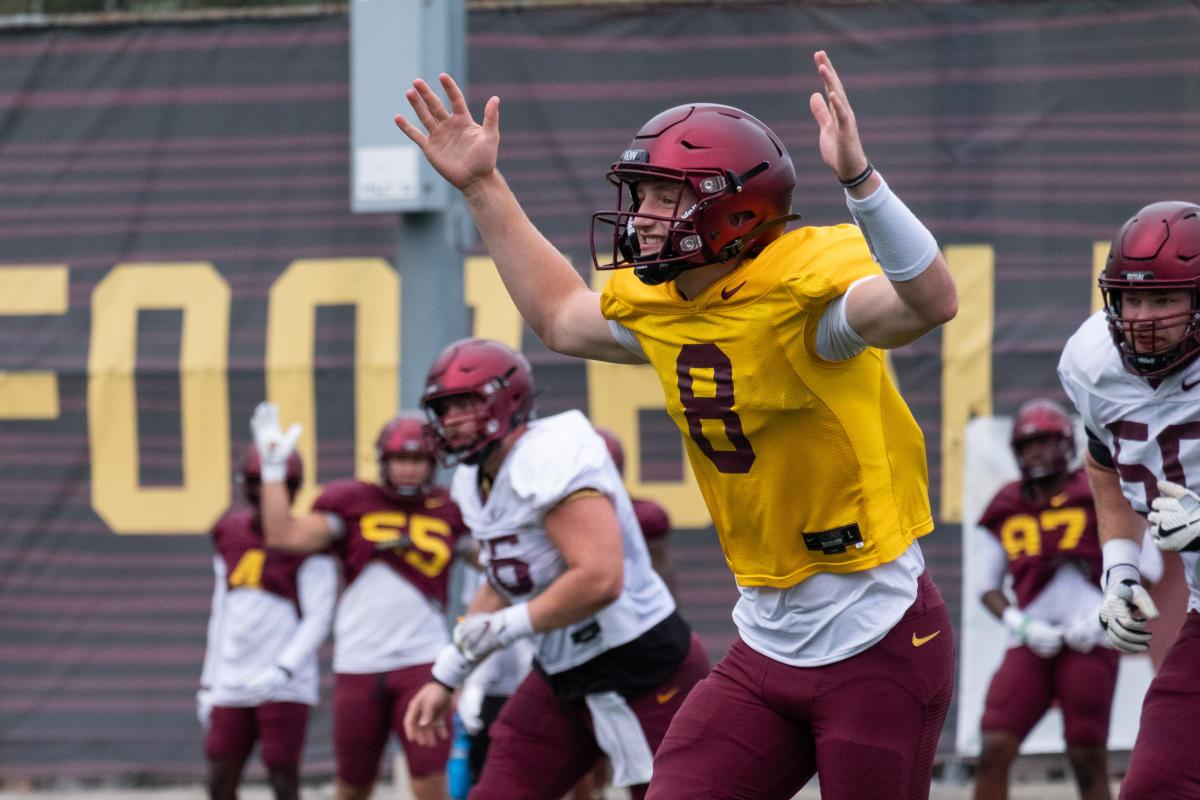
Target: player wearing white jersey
pixel 270 612
pixel 567 566
pixel 1131 370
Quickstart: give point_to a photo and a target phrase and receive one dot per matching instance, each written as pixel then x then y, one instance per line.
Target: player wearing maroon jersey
pixel 1043 535
pixel 396 539
pixel 270 613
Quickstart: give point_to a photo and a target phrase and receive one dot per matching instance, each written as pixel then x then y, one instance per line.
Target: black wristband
pixel 860 177
pixel 445 686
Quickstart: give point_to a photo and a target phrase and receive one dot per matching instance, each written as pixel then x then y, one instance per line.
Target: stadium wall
pixel 176 244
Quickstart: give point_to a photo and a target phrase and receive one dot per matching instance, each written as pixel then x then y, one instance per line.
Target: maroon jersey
pixel 653 519
pixel 415 536
pixel 238 540
pixel 1039 537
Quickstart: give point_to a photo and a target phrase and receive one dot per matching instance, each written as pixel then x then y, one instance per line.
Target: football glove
pixel 1043 639
pixel 265 684
pixel 274 444
pixel 1083 633
pixel 480 635
pixel 1126 609
pixel 1175 518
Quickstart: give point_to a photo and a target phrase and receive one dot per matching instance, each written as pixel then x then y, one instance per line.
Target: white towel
pixel 620 735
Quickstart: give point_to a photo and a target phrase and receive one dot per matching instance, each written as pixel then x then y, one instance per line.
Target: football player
pixel 567 567
pixel 396 538
pixel 1131 370
pixel 655 522
pixel 1043 534
pixel 270 613
pixel 767 345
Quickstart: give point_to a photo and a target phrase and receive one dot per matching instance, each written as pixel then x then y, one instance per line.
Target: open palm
pixel 460 149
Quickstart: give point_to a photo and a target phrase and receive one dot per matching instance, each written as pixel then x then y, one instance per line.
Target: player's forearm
pixel 575 595
pixel 536 275
pixel 1115 518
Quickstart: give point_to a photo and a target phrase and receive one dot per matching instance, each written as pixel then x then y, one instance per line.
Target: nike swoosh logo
pixel 663 697
pixel 728 293
pixel 920 640
pixel 1182 384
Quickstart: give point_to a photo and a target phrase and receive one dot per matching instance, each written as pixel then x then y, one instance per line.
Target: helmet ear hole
pixel 739 218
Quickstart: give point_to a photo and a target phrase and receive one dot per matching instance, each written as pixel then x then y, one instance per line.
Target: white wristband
pixel 1120 561
pixel 900 242
pixel 516 622
pixel 272 472
pixel 450 668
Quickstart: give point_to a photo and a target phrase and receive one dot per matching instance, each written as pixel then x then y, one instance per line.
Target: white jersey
pixel 384 623
pixel 556 457
pixel 1152 432
pixel 251 630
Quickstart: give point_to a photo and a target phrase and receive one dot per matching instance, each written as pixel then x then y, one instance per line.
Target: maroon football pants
pixel 757 729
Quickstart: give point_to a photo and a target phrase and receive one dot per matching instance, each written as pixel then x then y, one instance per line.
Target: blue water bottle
pixel 458 770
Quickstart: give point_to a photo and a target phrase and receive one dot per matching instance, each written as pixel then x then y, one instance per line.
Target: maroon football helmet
pixel 497 376
pixel 250 475
pixel 1043 419
pixel 614 447
pixel 739 170
pixel 405 435
pixel 1157 248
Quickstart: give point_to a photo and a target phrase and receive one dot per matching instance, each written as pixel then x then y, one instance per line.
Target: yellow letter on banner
pixel 118 498
pixel 1099 260
pixel 495 315
pixel 373 288
pixel 966 364
pixel 616 392
pixel 31 290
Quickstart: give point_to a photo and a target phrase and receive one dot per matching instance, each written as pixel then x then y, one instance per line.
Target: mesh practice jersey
pixel 269 608
pixel 1040 537
pixel 396 555
pixel 555 458
pixel 1152 432
pixel 790 451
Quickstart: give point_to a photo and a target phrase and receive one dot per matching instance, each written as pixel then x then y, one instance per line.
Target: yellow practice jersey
pixel 806 465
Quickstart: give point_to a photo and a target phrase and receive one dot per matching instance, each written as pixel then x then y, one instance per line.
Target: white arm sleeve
pixel 208 672
pixel 626 339
pixel 836 340
pixel 316 585
pixel 988 563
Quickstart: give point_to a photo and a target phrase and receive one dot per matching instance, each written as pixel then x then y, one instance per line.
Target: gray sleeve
pixel 626 339
pixel 836 340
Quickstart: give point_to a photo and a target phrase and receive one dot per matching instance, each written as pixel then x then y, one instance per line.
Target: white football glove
pixel 265 684
pixel 1043 639
pixel 1126 609
pixel 204 707
pixel 1083 633
pixel 480 635
pixel 1175 518
pixel 273 443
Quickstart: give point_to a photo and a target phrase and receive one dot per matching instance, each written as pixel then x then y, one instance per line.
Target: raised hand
pixel 460 149
pixel 840 146
pixel 274 444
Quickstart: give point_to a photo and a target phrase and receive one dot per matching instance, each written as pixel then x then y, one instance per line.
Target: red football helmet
pixel 1043 419
pixel 1157 248
pixel 251 474
pixel 405 435
pixel 614 447
pixel 739 170
pixel 493 373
